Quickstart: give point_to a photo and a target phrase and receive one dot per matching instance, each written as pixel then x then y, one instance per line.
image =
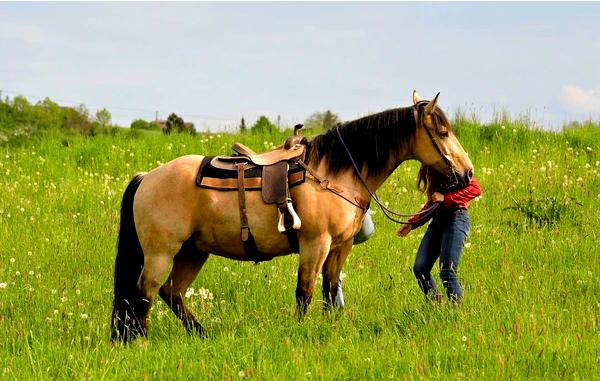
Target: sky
pixel 213 63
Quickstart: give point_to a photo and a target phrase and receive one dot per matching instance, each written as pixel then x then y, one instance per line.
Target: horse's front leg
pixel 331 274
pixel 312 256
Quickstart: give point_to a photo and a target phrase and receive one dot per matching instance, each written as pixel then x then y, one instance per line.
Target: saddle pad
pixel 211 177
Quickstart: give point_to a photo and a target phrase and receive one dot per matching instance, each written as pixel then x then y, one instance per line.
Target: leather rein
pixel 391 214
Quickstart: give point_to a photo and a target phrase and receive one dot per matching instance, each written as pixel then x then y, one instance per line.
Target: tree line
pixel 21 118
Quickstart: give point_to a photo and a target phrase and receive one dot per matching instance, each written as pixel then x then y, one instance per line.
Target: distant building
pixel 163 124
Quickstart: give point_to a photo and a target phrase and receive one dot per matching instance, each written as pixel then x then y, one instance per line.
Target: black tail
pixel 129 304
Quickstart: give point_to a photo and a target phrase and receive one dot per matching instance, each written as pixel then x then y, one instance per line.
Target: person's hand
pixel 437 197
pixel 404 230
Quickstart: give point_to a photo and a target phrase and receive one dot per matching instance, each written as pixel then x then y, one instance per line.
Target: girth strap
pixel 247 237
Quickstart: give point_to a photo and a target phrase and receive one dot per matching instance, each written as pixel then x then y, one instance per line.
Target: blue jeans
pixel 444 239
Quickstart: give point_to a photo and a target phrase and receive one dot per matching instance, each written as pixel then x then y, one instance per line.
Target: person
pixel 446 234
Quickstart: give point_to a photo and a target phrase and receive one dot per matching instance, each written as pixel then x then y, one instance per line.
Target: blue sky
pixel 215 62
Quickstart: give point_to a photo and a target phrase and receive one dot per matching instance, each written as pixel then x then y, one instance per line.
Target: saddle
pixel 273 172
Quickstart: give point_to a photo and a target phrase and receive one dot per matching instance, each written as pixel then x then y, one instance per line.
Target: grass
pixel 532 307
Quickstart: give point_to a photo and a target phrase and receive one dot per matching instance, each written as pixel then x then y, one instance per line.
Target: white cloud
pixel 576 99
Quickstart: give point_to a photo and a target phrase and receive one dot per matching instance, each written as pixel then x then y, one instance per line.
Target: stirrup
pixel 295 219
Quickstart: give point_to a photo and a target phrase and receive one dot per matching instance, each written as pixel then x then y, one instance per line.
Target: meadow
pixel 530 270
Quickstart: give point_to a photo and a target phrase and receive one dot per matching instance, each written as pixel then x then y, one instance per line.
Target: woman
pixel 446 234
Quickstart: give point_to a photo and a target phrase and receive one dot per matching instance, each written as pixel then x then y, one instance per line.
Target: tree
pixel 330 120
pixel 263 125
pixel 243 126
pixel 103 117
pixel 321 121
pixel 141 124
pixel 174 123
pixel 77 119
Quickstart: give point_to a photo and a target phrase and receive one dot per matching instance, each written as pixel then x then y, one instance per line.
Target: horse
pixel 167 222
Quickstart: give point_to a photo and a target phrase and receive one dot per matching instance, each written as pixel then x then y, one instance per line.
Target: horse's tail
pixel 128 302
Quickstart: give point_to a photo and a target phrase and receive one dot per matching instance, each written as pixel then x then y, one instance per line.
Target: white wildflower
pixel 189 292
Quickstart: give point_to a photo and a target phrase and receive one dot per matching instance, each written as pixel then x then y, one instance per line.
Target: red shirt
pixel 453 200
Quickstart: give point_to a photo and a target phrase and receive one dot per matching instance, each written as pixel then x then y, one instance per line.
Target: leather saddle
pixel 273 172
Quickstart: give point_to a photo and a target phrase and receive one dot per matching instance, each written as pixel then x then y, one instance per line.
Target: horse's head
pixel 436 145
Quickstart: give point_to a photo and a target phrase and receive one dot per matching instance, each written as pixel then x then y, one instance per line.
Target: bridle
pixel 386 211
pixel 451 174
pixel 390 214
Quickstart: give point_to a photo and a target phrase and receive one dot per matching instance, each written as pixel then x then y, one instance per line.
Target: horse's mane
pixel 370 139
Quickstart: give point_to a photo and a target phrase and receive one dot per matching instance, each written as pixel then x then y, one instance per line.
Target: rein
pixel 386 211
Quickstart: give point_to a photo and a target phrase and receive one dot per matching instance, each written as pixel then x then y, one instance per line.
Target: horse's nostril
pixel 470 174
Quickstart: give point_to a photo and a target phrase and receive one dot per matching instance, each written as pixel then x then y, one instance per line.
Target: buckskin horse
pixel 168 222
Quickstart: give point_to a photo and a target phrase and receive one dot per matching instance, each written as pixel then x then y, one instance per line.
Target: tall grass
pixel 531 307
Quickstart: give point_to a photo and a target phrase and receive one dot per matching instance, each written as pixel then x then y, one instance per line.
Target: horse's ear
pixel 416 97
pixel 431 105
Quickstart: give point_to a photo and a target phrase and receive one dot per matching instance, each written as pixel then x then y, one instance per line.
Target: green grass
pixel 532 307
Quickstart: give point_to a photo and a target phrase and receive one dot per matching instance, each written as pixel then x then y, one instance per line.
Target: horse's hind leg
pixel 155 268
pixel 331 274
pixel 186 265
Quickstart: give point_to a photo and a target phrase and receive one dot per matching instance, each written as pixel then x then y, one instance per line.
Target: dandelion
pixel 31 272
pixel 12 260
pixel 225 268
pixel 464 338
pixel 83 316
pixel 189 292
pixel 3 284
pixel 589 149
pixel 521 277
pixel 241 374
pixel 205 293
pixel 467 245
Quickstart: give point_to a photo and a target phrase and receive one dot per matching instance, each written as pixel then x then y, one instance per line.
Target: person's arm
pixel 416 221
pixel 460 197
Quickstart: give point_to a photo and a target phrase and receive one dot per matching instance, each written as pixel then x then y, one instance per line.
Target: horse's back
pixel 171 208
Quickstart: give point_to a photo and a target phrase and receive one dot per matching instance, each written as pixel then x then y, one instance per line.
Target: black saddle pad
pixel 208 170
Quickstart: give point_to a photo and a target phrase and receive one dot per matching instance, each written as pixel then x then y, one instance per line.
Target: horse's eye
pixel 443 134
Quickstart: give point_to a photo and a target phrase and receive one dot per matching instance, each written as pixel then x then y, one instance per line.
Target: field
pixel 530 272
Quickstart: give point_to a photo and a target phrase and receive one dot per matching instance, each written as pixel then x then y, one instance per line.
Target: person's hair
pixel 429 180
